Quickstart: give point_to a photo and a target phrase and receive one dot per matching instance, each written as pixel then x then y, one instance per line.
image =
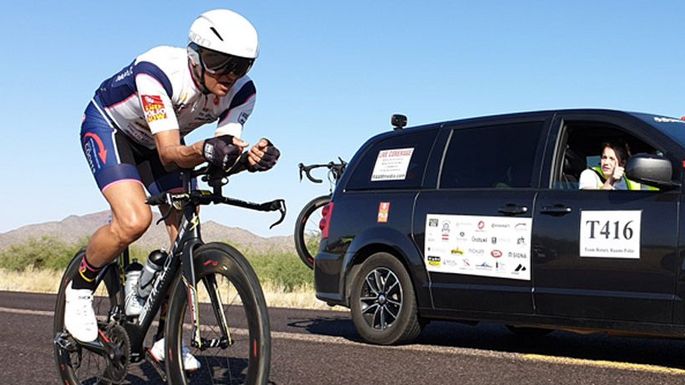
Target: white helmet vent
pixel 217 33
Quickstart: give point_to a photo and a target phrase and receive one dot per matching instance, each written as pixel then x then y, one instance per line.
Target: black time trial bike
pixel 216 307
pixel 307 226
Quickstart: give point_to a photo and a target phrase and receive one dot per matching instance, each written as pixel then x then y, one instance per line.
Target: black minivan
pixel 483 220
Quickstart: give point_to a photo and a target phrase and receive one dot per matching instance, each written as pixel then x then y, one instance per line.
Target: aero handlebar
pixel 215 179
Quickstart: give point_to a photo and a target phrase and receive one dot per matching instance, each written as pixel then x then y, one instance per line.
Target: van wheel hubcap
pixel 381 298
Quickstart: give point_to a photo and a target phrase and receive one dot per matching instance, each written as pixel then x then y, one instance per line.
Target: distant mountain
pixel 75 228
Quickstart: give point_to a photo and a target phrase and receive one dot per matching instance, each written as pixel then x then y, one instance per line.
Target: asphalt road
pixel 319 347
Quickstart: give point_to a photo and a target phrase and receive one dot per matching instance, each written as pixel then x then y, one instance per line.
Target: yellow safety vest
pixel 630 184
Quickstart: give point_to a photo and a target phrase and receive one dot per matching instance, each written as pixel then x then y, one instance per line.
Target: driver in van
pixel 610 174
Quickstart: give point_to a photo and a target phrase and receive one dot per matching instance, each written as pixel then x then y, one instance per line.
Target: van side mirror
pixel 652 170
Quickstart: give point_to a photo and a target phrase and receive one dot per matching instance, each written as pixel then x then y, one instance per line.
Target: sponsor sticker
pixel 433 260
pixel 457 251
pixel 488 246
pixel 660 119
pixel 610 234
pixel 153 108
pixel 392 164
pixel 383 212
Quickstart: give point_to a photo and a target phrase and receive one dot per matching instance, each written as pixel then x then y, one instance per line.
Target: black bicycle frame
pixel 181 254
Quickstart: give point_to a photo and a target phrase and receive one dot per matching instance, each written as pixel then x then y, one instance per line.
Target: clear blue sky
pixel 329 76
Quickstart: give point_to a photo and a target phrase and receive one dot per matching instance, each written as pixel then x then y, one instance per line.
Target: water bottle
pixel 133 305
pixel 155 262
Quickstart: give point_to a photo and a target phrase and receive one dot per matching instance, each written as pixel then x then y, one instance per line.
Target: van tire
pixel 383 302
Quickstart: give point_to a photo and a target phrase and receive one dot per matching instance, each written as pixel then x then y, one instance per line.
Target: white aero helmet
pixel 223 42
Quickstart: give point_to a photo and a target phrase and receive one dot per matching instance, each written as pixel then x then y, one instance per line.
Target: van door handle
pixel 512 209
pixel 556 210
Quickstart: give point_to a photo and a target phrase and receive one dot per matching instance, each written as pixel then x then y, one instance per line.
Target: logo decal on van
pixel 494 246
pixel 383 212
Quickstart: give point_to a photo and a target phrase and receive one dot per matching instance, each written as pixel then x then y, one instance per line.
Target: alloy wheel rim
pixel 381 298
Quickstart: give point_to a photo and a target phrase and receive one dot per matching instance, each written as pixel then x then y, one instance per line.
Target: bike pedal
pixel 158 366
pixel 65 341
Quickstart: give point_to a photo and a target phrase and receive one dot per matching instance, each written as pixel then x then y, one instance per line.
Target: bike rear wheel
pixel 227 287
pixel 77 364
pixel 307 232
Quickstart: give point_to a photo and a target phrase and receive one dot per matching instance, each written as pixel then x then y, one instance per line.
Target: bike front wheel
pixel 234 322
pixel 307 232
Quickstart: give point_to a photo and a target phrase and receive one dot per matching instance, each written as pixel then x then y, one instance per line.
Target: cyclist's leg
pixel 111 162
pixel 172 221
pixel 158 179
pixel 112 158
pixel 130 218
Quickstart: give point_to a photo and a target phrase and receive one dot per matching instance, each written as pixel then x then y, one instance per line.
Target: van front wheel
pixel 383 302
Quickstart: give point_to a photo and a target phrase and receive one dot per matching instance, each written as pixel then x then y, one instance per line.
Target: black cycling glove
pixel 268 160
pixel 220 151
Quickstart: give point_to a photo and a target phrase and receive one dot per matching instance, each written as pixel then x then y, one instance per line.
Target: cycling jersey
pixel 157 93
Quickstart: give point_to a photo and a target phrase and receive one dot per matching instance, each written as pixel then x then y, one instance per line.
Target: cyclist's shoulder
pixel 243 88
pixel 163 54
pixel 172 61
pixel 242 93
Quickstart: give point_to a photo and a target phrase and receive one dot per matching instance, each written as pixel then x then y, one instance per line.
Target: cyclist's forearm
pixel 182 156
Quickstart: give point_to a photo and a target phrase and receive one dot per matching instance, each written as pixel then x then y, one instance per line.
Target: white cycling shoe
pixel 190 363
pixel 79 317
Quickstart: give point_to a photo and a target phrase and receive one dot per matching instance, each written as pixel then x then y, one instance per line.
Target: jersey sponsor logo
pixel 124 74
pixel 88 150
pixel 102 152
pixel 153 107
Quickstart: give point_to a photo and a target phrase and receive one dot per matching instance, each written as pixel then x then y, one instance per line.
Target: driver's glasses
pixel 219 64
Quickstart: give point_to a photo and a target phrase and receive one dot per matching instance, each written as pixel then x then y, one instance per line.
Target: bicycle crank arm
pixel 158 366
pixel 68 343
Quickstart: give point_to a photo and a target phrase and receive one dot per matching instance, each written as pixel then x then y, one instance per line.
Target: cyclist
pixel 132 136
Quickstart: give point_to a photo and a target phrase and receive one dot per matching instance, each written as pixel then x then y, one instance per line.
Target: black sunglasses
pixel 218 64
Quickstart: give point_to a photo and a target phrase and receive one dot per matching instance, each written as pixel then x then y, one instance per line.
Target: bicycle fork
pixel 190 281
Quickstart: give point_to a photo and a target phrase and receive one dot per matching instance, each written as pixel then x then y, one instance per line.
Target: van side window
pixel 396 162
pixel 499 156
pixel 581 149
